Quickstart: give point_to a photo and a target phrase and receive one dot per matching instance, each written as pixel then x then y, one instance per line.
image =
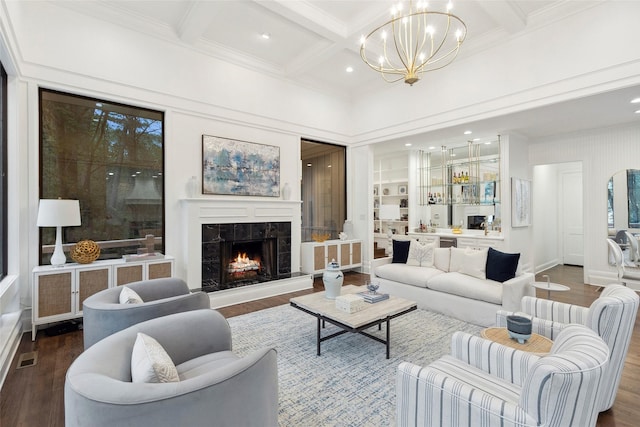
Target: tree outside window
pixel 110 157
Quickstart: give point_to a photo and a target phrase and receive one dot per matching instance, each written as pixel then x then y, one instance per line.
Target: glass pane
pixel 323 190
pixel 109 157
pixel 610 203
pixel 633 197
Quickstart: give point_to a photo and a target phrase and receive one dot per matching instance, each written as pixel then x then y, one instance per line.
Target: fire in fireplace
pixel 248 262
pixel 235 255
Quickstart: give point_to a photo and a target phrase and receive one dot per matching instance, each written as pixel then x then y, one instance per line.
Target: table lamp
pixel 58 213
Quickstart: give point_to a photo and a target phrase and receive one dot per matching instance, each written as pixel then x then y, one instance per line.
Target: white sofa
pixel 452 281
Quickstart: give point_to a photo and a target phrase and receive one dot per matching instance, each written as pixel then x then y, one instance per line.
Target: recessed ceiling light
pixel 487 143
pixel 308 165
pixel 635 101
pixel 432 148
pixel 349 69
pixel 467 132
pixel 265 36
pixel 328 166
pixel 637 111
pixel 408 144
pixel 476 139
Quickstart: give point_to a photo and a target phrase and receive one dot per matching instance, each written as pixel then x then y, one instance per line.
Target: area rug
pixel 351 383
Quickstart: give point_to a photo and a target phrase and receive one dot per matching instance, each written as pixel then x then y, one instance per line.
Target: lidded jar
pixel 332 279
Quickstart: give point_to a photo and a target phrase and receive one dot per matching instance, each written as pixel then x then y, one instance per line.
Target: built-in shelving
pixel 391 187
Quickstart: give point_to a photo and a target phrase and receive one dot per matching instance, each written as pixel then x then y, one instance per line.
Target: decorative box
pixel 350 303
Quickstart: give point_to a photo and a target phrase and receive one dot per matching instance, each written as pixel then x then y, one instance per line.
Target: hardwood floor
pixel 33 396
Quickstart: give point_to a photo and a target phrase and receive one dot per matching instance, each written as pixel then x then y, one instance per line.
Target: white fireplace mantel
pixel 223 210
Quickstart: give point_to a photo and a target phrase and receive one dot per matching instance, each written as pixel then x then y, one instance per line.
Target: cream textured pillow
pixel 421 254
pixel 441 258
pixel 150 363
pixel 475 263
pixel 457 259
pixel 129 296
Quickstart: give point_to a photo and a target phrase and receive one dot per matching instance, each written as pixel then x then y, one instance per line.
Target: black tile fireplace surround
pixel 270 242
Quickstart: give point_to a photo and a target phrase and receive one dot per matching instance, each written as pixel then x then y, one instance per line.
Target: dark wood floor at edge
pixel 33 396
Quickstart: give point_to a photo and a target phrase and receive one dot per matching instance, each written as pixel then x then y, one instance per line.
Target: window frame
pixel 42 90
pixel 4 150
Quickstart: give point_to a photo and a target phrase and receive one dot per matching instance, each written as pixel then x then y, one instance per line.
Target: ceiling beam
pixel 196 20
pixel 506 14
pixel 347 38
pixel 307 15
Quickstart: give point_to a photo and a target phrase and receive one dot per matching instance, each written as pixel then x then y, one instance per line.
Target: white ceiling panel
pixel 238 26
pixel 314 41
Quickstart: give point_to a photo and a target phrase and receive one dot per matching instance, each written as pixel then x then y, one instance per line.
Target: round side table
pixel 537 344
pixel 549 287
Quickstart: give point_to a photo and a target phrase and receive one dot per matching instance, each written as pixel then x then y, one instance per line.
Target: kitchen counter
pixel 474 234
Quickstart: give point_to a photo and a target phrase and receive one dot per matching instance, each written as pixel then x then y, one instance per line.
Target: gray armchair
pixel 103 314
pixel 612 316
pixel 216 387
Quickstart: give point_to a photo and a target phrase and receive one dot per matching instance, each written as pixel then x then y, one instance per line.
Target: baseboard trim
pixel 11 329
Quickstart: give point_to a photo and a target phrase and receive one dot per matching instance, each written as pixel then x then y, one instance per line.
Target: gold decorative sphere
pixel 85 252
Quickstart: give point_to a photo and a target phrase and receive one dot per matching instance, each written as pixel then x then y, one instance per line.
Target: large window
pixel 324 186
pixel 110 157
pixel 4 246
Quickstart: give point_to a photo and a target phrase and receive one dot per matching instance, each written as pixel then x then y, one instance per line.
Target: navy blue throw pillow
pixel 400 251
pixel 501 266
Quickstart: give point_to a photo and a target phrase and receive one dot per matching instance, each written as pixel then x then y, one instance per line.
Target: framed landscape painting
pixel 239 168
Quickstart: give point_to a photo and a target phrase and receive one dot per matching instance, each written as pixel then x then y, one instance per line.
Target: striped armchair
pixel 612 316
pixel 485 383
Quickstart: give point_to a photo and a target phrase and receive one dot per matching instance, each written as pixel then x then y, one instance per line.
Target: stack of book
pixel 371 298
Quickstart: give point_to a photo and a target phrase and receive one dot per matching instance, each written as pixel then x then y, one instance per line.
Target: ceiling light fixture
pixel 635 101
pixel 415 40
pixel 408 144
pixel 349 69
pixel 467 132
pixel 265 36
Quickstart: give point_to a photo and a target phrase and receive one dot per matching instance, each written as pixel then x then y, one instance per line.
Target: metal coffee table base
pixel 360 330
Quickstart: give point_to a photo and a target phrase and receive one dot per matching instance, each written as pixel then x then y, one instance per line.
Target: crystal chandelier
pixel 415 40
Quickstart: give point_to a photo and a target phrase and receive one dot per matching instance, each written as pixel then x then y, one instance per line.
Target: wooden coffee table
pixel 537 344
pixel 324 310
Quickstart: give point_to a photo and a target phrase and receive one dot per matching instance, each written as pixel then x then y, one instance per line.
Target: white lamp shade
pixel 58 212
pixel 389 211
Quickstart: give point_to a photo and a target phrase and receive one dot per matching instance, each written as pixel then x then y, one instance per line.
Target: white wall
pixel 587 53
pixel 62 50
pixel 545 217
pixel 602 153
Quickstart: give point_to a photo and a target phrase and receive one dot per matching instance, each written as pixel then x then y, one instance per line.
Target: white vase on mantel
pixel 192 187
pixel 286 191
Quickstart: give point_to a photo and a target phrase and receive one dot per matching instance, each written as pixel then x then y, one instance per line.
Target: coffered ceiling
pixel 312 42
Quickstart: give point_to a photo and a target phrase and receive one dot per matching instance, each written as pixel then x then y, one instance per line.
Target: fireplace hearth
pixel 235 255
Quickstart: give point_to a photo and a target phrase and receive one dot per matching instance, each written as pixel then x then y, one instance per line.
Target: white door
pixel 572 218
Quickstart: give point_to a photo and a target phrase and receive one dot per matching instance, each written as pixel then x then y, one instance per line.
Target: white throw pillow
pixel 150 363
pixel 457 259
pixel 441 258
pixel 420 254
pixel 475 263
pixel 129 296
